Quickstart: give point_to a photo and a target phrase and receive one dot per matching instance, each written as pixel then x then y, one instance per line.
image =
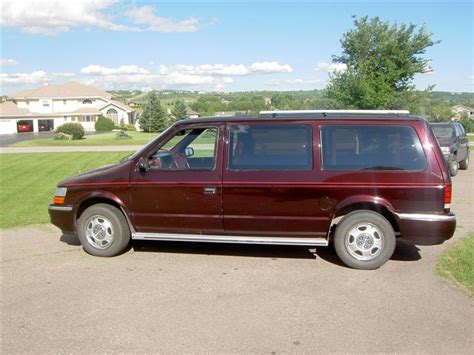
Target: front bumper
pixel 62 217
pixel 427 229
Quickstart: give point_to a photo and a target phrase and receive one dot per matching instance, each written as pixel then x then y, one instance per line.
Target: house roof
pixel 462 107
pixel 191 112
pixel 8 108
pixel 118 104
pixel 91 110
pixel 69 89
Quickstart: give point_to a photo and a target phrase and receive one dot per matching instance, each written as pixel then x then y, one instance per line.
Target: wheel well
pixel 94 201
pixel 384 211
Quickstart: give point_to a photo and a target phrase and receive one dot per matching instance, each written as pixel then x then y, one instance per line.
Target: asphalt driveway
pixel 170 297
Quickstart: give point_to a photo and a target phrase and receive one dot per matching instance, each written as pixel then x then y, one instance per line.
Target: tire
pixel 364 240
pixel 453 166
pixel 103 230
pixel 463 165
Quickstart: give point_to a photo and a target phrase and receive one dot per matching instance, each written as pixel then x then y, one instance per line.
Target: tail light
pixel 447 197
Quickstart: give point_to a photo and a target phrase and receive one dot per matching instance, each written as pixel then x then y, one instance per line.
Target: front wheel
pixel 103 230
pixel 364 240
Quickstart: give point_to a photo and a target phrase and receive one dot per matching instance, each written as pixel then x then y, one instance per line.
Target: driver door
pixel 181 190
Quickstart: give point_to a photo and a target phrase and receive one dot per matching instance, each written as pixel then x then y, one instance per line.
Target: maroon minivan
pixel 359 179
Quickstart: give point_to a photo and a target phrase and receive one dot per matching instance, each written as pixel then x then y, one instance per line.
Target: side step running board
pixel 230 239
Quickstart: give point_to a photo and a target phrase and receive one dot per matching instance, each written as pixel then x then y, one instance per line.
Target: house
pixel 47 107
pixel 225 113
pixel 458 110
pixel 191 114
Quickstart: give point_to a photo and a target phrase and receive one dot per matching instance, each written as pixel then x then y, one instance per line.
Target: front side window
pixel 349 148
pixel 270 147
pixel 188 149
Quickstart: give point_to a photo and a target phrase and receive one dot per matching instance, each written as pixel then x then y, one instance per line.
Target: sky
pixel 213 46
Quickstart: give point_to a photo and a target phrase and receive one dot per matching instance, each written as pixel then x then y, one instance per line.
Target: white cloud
pixel 36 77
pixel 210 76
pixel 64 75
pixel 55 16
pixel 156 81
pixel 8 61
pixel 270 67
pixel 228 69
pixel 331 67
pixel 298 82
pixel 145 15
pixel 94 69
pixel 206 69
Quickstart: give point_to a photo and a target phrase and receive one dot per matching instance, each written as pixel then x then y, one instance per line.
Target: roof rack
pixel 324 113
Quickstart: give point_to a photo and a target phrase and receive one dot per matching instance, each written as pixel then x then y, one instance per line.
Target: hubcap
pixel 99 232
pixel 364 241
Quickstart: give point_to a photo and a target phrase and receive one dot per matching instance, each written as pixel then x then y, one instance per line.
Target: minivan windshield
pixel 444 131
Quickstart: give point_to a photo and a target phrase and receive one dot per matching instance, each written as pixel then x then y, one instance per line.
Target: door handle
pixel 210 191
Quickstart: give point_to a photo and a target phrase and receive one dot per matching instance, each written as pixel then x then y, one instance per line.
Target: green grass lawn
pixel 457 265
pixel 470 137
pixel 100 139
pixel 27 182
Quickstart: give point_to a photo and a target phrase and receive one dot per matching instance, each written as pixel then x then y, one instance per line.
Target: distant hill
pixel 207 103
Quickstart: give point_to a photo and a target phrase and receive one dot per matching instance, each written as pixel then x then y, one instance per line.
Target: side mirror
pixel 142 164
pixel 189 152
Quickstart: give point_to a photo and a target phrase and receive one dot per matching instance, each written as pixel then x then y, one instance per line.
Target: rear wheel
pixel 103 230
pixel 463 165
pixel 364 240
pixel 453 166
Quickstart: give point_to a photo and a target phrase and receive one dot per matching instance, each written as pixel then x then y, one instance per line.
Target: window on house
pixel 64 102
pixel 45 103
pixel 113 115
pixel 270 147
pixel 87 102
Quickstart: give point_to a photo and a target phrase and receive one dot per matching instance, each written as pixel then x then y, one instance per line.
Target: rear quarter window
pixel 371 147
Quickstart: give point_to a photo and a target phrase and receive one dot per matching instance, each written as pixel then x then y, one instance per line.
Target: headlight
pixel 59 195
pixel 446 150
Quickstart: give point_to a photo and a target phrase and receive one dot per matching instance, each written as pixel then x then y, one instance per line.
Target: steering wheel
pixel 179 160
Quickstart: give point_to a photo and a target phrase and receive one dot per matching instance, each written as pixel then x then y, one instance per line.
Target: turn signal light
pixel 58 200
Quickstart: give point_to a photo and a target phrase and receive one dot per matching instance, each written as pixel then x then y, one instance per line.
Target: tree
pixel 104 124
pixel 440 112
pixel 380 62
pixel 179 110
pixel 467 122
pixel 153 118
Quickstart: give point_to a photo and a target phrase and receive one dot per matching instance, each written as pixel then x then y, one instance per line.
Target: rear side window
pixel 371 148
pixel 270 147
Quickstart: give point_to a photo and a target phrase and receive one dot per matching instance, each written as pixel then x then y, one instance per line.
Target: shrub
pixel 104 124
pixel 122 135
pixel 59 136
pixel 130 127
pixel 74 129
